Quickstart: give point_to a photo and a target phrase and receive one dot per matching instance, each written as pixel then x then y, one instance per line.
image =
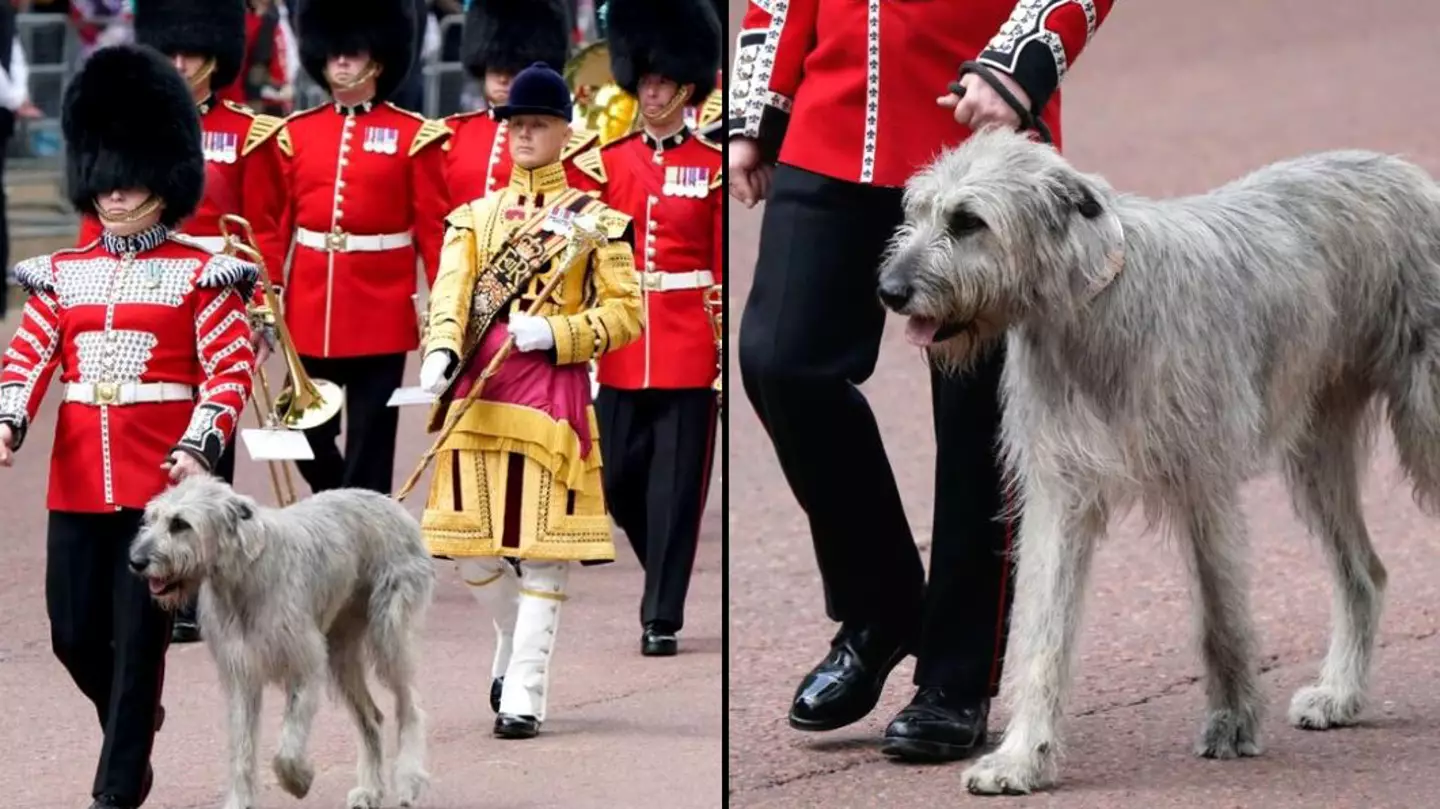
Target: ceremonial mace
pixel 585 236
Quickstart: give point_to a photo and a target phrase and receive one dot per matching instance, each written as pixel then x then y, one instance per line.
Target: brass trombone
pixel 715 307
pixel 304 403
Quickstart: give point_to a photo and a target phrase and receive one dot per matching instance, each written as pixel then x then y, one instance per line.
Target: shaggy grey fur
pixel 1269 319
pixel 288 597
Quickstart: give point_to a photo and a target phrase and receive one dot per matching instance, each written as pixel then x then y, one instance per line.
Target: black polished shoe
pixel 937 726
pixel 497 686
pixel 510 726
pixel 847 684
pixel 658 641
pixel 185 632
pixel 107 802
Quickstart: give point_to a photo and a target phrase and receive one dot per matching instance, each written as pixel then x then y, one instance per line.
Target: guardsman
pixel 244 173
pixel 368 201
pixel 834 105
pixel 656 404
pixel 151 338
pixel 501 38
pixel 517 493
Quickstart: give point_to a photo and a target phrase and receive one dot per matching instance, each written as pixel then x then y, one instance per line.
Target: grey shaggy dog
pixel 294 597
pixel 1161 353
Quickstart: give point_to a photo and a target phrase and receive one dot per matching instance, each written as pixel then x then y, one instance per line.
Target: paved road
pixel 620 726
pixel 1172 98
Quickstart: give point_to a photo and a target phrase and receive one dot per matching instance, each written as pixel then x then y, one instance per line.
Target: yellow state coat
pixel 497 447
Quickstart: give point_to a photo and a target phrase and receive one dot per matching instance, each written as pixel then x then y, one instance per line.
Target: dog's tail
pixel 398 603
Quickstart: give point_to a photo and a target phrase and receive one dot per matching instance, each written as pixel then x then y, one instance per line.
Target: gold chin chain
pixel 144 209
pixel 365 75
pixel 203 74
pixel 676 103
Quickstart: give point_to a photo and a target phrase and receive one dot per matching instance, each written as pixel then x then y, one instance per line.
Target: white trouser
pixel 525 606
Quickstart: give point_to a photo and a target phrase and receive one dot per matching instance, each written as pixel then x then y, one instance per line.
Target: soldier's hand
pixel 433 370
pixel 260 342
pixel 749 176
pixel 182 465
pixel 983 107
pixel 7 440
pixel 531 333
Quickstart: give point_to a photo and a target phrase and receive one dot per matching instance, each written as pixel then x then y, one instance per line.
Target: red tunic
pixel 847 89
pixel 244 175
pixel 235 90
pixel 673 193
pixel 170 312
pixel 477 158
pixel 374 175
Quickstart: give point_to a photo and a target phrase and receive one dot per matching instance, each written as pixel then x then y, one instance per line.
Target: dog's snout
pixel 139 563
pixel 895 295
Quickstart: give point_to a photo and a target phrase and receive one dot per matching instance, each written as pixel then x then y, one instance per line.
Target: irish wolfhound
pixel 287 596
pixel 1161 353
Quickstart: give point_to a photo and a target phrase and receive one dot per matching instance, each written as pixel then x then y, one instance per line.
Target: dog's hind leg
pixel 347 667
pixel 1057 542
pixel 395 608
pixel 1214 534
pixel 1324 480
pixel 303 689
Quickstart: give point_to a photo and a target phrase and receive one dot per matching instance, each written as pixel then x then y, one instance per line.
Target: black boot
pixel 937 726
pixel 658 641
pixel 510 726
pixel 497 686
pixel 846 685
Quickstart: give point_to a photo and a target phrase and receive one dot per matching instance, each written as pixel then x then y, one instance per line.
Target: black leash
pixel 1028 120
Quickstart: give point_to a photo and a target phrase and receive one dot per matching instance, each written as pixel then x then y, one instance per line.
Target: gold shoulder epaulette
pixel 430 131
pixel 718 179
pixel 262 128
pixel 613 222
pixel 712 109
pixel 578 139
pixel 592 164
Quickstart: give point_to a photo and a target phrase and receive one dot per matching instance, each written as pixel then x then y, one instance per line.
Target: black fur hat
pixel 678 39
pixel 214 28
pixel 129 122
pixel 385 28
pixel 511 35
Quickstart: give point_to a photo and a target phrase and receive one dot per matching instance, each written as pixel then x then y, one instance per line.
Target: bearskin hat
pixel 678 39
pixel 511 35
pixel 129 121
pixel 214 28
pixel 384 28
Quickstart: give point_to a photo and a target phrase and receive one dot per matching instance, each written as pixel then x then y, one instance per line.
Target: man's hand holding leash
pixel 7 439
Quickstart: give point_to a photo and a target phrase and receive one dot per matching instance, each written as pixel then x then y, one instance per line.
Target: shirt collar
pixel 136 243
pixel 544 180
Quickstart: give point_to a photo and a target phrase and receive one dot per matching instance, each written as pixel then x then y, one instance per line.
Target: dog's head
pixel 996 230
pixel 188 530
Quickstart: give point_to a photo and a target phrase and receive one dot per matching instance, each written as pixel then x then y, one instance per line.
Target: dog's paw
pixel 238 803
pixel 1003 773
pixel 409 786
pixel 1229 734
pixel 1319 707
pixel 363 798
pixel 296 775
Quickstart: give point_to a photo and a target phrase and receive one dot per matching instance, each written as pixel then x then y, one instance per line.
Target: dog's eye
pixel 178 525
pixel 962 223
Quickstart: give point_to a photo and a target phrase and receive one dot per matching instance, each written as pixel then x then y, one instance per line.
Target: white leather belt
pixel 342 242
pixel 669 281
pixel 128 393
pixel 214 244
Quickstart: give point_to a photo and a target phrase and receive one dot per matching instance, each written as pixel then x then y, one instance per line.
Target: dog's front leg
pixel 244 697
pixel 295 772
pixel 1057 542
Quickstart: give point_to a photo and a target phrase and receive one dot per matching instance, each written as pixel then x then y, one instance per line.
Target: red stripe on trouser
pixel 1004 588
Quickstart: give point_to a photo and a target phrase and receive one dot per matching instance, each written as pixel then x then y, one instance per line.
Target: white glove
pixel 432 371
pixel 531 333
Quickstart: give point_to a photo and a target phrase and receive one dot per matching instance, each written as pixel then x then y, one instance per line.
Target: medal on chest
pixel 558 221
pixel 686 181
pixel 382 140
pixel 220 147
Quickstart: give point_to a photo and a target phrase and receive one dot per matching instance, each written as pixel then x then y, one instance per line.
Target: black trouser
pixel 370 426
pixel 110 636
pixel 810 333
pixel 658 448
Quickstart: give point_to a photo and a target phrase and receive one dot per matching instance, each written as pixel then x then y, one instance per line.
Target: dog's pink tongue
pixel 157 586
pixel 921 331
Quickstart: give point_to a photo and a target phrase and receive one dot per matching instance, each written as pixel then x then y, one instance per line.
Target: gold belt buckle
pixel 107 393
pixel 336 241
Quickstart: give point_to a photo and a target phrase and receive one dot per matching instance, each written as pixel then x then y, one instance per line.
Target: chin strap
pixel 1028 120
pixel 144 209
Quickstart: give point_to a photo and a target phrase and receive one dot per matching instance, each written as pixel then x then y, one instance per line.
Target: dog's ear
pixel 1076 194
